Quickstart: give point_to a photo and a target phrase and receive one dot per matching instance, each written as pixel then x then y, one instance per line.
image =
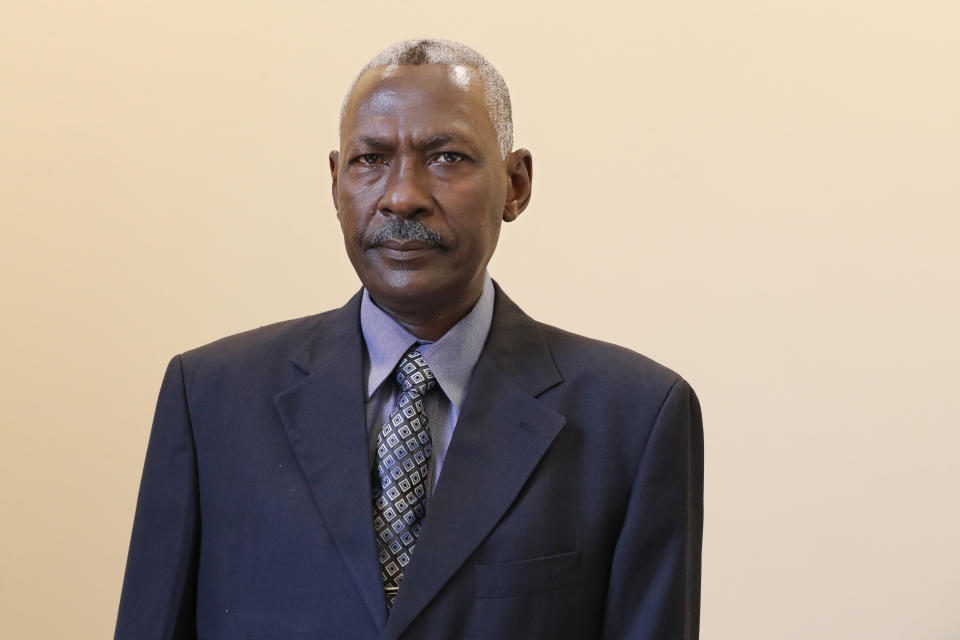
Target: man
pixel 426 461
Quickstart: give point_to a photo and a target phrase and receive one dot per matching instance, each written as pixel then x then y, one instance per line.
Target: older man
pixel 426 461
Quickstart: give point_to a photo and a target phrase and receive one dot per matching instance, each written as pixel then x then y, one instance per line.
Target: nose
pixel 407 193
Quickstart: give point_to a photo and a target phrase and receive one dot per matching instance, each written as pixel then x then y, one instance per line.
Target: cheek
pixel 354 213
pixel 357 192
pixel 475 207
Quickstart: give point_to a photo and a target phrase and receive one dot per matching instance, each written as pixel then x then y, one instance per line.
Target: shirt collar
pixel 451 358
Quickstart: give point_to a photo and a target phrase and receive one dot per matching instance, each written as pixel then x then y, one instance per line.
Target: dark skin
pixel 417 143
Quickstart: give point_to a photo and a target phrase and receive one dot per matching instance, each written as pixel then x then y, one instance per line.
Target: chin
pixel 407 290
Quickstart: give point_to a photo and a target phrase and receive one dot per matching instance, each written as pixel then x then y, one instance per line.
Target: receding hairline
pixel 365 86
pixel 429 51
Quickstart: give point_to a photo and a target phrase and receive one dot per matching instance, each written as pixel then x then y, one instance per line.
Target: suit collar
pixel 517 346
pixel 502 433
pixel 323 415
pixel 515 342
pixel 335 330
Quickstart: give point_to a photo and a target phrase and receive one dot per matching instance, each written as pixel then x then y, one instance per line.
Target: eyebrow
pixel 372 142
pixel 427 144
pixel 442 139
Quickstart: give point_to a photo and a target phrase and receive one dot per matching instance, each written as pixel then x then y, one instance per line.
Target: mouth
pixel 408 250
pixel 406 245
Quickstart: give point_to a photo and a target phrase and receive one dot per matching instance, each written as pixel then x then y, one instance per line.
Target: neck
pixel 431 326
pixel 430 323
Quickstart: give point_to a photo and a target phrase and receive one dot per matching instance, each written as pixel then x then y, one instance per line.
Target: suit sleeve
pixel 654 589
pixel 159 587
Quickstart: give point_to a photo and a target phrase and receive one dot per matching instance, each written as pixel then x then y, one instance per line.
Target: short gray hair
pixel 435 51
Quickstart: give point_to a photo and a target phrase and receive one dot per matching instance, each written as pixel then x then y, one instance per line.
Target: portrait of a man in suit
pixel 427 461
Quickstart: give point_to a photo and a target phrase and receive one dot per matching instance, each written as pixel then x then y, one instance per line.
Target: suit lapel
pixel 502 434
pixel 323 415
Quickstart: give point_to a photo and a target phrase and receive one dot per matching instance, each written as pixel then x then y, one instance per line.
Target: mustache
pixel 402 229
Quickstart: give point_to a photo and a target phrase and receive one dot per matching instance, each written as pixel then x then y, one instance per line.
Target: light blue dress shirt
pixel 451 358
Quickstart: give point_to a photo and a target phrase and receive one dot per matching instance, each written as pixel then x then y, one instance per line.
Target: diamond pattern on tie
pixel 400 475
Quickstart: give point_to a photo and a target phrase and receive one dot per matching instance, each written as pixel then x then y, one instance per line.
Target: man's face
pixel 420 187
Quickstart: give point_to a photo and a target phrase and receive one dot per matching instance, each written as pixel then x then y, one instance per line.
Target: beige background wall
pixel 762 195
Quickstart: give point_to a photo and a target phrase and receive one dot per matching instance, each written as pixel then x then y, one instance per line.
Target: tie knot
pixel 413 372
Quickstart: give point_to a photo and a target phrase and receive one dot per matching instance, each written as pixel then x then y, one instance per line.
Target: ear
pixel 334 162
pixel 519 166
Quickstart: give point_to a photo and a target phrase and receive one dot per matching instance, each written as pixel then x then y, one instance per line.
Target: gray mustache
pixel 402 229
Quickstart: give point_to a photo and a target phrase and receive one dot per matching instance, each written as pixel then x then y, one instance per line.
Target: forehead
pixel 422 97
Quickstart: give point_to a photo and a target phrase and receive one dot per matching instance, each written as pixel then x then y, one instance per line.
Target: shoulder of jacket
pixel 276 342
pixel 577 355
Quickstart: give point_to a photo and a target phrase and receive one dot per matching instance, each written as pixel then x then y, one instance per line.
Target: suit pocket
pixel 508 579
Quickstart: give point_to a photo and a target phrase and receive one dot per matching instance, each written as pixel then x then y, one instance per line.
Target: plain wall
pixel 763 196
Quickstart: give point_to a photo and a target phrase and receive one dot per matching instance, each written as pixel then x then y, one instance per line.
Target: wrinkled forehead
pixel 459 75
pixel 395 91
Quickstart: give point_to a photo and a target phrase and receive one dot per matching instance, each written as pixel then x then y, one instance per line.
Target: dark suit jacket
pixel 569 505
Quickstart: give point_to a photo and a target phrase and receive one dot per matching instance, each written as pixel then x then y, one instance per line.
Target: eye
pixel 369 159
pixel 448 157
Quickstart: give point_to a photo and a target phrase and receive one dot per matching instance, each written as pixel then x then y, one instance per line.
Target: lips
pixel 405 245
pixel 407 252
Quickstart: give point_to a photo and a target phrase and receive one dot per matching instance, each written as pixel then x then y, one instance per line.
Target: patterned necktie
pixel 400 475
